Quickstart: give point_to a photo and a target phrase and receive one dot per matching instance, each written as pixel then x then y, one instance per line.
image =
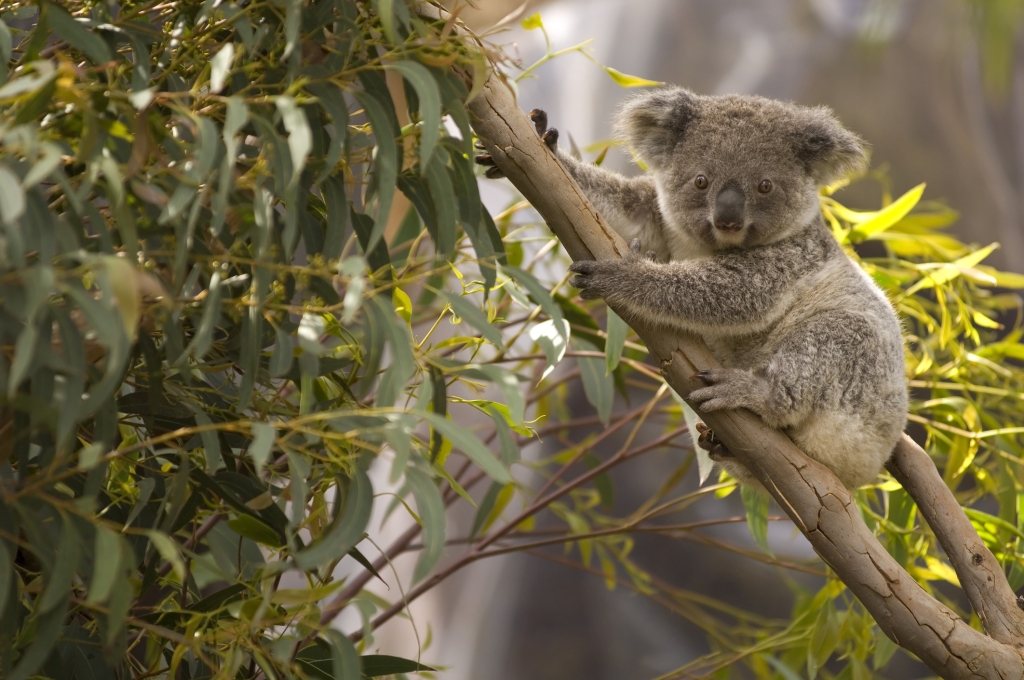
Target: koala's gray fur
pixel 807 340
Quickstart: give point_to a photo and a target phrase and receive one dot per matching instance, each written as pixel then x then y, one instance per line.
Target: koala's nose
pixel 729 209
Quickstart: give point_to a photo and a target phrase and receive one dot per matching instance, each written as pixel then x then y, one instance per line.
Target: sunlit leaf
pixel 625 80
pixel 888 216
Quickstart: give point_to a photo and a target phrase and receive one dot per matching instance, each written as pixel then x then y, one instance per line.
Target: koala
pixel 728 242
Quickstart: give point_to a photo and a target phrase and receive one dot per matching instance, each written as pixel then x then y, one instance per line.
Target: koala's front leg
pixel 628 204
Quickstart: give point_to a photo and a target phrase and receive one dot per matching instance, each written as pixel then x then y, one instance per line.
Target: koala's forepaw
pixel 712 444
pixel 596 278
pixel 547 135
pixel 727 388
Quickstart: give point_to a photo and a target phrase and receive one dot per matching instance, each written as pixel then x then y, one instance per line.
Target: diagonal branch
pixel 980 574
pixel 811 495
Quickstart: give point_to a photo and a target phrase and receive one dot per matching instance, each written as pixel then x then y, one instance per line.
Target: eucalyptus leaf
pixel 431 511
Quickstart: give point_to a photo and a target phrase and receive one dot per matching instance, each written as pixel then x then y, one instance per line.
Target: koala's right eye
pixel 701 182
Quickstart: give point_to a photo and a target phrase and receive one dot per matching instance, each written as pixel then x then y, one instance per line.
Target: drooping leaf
pixel 756 503
pixel 431 511
pixel 598 384
pixel 429 102
pixel 346 529
pixel 617 330
pixel 77 35
pixel 469 444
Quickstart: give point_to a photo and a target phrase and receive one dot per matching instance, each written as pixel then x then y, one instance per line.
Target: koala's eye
pixel 701 182
pixel 765 186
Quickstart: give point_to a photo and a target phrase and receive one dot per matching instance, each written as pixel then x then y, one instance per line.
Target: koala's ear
pixel 654 122
pixel 828 151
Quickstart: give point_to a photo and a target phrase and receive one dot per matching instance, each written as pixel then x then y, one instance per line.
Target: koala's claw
pixel 703 376
pixel 591 277
pixel 547 135
pixel 550 138
pixel 712 444
pixel 540 120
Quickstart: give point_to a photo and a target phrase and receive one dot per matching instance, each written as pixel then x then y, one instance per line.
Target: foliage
pixel 245 268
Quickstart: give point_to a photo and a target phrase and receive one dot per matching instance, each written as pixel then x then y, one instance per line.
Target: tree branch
pixel 980 574
pixel 809 493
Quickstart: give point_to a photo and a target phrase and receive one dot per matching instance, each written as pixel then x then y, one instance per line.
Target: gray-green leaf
pixel 469 444
pixel 431 510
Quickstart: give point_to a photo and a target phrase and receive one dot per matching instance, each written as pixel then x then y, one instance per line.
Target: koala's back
pixel 838 353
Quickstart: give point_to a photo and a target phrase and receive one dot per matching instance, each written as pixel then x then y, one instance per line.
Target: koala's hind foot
pixel 712 444
pixel 547 135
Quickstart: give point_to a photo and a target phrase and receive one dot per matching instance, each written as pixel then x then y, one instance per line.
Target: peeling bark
pixel 820 506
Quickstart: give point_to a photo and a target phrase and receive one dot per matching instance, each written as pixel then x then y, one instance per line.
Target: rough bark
pixel 822 508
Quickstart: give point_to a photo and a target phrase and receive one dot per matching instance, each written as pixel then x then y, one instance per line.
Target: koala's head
pixel 736 171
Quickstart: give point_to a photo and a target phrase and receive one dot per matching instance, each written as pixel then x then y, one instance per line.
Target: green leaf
pixel 824 638
pixel 48 627
pixel 888 216
pixel 552 340
pixel 756 504
pixel 344 657
pixel 6 573
pixel 704 463
pixel 345 530
pixel 201 341
pixel 378 257
pixel 617 330
pixel 884 650
pixel 431 510
pixel 255 530
pixel 377 665
pixel 598 384
pixel 485 508
pixel 263 436
pixel 385 165
pixel 24 351
pixel 107 565
pixel 506 443
pixel 443 196
pixel 300 138
pixel 476 318
pixel 430 104
pixel 281 357
pixel 946 273
pixel 625 80
pixel 59 582
pixel 781 668
pixel 292 27
pixel 219 67
pixel 386 12
pixel 333 101
pixel 540 295
pixel 168 549
pixel 6 45
pixel 469 444
pixel 12 197
pixel 403 363
pixel 77 35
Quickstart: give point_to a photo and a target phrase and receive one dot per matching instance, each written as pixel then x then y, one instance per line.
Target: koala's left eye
pixel 765 186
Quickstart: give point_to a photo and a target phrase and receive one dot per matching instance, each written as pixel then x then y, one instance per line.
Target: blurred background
pixel 935 86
